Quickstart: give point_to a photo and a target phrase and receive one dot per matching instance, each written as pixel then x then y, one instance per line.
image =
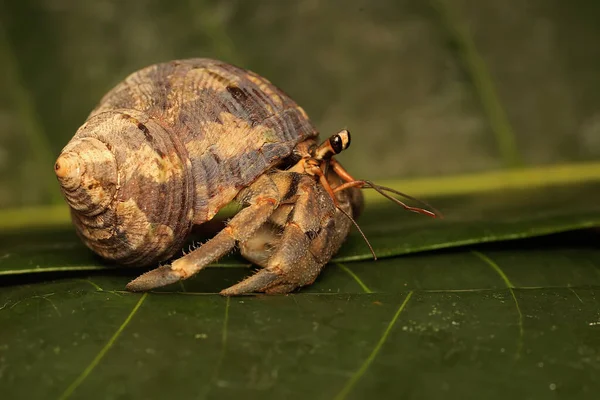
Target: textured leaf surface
pixel 469 219
pixel 515 320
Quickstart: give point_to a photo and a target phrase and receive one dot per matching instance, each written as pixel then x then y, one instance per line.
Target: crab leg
pixel 262 197
pixel 314 231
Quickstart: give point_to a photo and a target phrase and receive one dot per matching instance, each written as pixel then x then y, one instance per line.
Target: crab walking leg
pixel 314 232
pixel 262 197
pixel 304 271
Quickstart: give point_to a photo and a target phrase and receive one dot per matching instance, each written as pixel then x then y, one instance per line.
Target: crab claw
pixel 262 281
pixel 161 276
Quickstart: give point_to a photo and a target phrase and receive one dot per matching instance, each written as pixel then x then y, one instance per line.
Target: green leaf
pixel 478 321
pixel 528 203
pixel 474 323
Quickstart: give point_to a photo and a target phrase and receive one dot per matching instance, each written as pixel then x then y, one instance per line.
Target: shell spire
pixel 128 187
pixel 87 173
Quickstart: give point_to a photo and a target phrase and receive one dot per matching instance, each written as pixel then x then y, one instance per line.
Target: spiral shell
pixel 167 148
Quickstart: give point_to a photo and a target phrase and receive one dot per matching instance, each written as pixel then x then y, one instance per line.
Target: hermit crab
pixel 174 143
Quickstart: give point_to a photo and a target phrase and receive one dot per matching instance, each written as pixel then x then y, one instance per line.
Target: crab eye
pixel 336 144
pixel 340 141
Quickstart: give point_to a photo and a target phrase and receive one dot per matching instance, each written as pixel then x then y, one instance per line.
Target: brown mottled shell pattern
pixel 172 144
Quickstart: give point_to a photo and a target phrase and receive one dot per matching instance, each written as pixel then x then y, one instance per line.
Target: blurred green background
pixel 428 88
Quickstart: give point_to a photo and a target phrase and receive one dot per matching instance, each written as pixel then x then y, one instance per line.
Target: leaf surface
pixel 481 217
pixel 480 321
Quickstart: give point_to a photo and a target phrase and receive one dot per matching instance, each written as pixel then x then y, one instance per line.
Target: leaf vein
pixel 364 287
pixel 367 363
pixel 88 370
pixel 511 289
pixel 575 293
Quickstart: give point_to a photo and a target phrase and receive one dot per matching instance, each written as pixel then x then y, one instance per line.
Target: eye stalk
pixel 333 146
